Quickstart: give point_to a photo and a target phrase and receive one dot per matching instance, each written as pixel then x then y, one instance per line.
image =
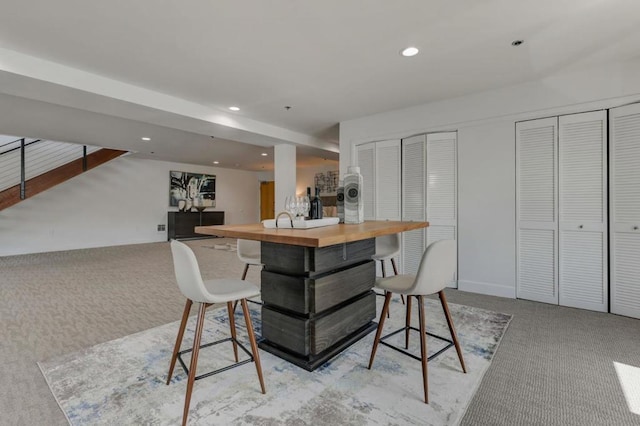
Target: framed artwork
pixel 191 190
pixel 327 182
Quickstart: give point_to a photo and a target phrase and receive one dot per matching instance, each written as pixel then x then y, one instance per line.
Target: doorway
pixel 267 200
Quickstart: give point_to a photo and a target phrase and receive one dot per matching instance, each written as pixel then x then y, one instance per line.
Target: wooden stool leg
pixel 176 347
pixel 385 311
pixel 244 275
pixel 246 269
pixel 395 268
pixel 407 323
pixel 254 345
pixel 194 361
pixel 388 310
pixel 384 274
pixel 454 336
pixel 423 347
pixel 395 272
pixel 232 326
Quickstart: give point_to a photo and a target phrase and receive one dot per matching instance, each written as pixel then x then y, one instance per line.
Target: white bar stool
pixel 435 272
pixel 207 293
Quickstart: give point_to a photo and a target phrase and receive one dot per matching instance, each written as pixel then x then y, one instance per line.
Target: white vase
pixel 353 206
pixel 340 201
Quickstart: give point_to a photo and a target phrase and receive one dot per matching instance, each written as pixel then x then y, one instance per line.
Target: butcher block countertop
pixel 315 237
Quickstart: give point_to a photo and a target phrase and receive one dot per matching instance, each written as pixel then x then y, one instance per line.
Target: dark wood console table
pixel 316 286
pixel 181 225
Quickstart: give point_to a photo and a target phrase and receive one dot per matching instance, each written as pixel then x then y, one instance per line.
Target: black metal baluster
pixel 22 171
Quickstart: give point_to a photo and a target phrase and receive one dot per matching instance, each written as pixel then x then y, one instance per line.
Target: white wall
pixel 486 209
pixel 486 155
pixel 120 202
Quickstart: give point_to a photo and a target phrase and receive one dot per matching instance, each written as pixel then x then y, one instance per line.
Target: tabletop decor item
pixel 353 206
pixel 340 201
pixel 299 224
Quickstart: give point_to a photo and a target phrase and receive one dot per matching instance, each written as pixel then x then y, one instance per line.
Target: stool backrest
pixel 187 272
pixel 388 245
pixel 249 251
pixel 437 268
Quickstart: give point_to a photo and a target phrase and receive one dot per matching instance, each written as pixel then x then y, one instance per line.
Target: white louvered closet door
pixel 387 177
pixel 441 190
pixel 366 160
pixel 582 256
pixel 536 210
pixel 413 200
pixel 624 201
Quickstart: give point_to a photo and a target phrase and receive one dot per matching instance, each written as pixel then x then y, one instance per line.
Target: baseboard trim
pixel 489 289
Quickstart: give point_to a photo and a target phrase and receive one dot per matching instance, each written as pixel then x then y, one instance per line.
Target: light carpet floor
pixel 123 381
pixel 555 365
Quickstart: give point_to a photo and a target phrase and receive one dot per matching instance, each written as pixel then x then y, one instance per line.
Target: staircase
pixel 31 166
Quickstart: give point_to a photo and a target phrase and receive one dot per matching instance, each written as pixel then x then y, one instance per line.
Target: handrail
pixel 9 143
pixel 19 146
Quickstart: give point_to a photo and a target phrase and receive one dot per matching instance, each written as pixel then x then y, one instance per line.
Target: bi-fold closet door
pixel 380 165
pixel 561 210
pixel 429 192
pixel 624 203
pixel 413 179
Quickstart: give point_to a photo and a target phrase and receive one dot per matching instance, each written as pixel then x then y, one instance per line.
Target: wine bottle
pixel 316 206
pixel 319 203
pixel 309 199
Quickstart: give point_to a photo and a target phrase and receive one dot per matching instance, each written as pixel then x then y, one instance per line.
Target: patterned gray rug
pixel 123 381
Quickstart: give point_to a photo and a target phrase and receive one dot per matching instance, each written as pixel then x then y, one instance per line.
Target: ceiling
pixel 177 66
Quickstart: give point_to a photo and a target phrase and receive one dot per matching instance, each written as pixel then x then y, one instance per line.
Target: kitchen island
pixel 316 285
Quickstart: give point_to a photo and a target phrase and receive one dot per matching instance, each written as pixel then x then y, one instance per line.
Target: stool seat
pixel 385 256
pixel 249 253
pixel 387 248
pixel 229 290
pixel 400 284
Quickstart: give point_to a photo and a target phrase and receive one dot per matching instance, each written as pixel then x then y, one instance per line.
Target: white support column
pixel 284 174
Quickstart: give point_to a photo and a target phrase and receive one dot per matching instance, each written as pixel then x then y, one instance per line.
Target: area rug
pixel 123 381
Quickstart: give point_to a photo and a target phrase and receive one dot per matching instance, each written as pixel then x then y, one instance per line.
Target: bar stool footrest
pixel 400 330
pixel 220 370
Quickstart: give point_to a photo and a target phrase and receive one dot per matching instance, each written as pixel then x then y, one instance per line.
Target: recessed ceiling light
pixel 409 51
pixel 234 108
pixel 146 139
pixel 216 162
pixel 516 43
pixel 264 154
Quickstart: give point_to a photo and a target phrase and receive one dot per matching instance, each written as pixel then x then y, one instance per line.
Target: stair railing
pixel 21 145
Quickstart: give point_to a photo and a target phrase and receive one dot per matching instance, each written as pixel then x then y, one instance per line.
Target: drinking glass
pixel 306 206
pixel 289 205
pixel 300 207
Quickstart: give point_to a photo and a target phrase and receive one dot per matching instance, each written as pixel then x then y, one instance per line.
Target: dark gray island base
pixel 317 300
pixel 316 285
